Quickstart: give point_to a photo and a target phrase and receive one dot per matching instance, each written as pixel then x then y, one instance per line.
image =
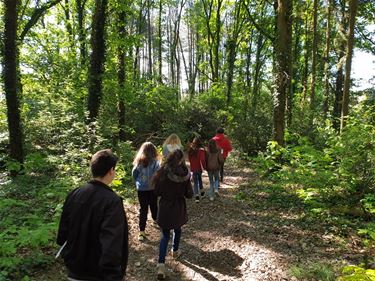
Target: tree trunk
pixel 314 55
pixel 137 64
pixel 232 45
pixel 160 50
pixel 306 61
pixel 326 59
pixel 149 38
pixel 216 61
pixel 283 63
pixel 80 5
pixel 340 71
pixel 121 76
pixel 11 81
pixel 296 72
pixel 353 5
pixel 256 83
pixel 97 58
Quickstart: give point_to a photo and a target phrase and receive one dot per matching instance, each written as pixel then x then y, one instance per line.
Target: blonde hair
pixel 146 154
pixel 172 139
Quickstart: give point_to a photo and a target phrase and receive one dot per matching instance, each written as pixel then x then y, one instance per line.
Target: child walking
pixel 171 143
pixel 214 162
pixel 172 185
pixel 145 165
pixel 197 159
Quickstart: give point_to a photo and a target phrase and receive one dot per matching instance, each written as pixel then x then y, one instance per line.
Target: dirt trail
pixel 221 241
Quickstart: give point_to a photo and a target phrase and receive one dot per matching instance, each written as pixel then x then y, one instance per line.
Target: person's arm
pixel 165 151
pixel 156 167
pixel 189 190
pixel 112 238
pixel 158 187
pixel 202 157
pixel 135 172
pixel 62 233
pixel 228 145
pixel 221 158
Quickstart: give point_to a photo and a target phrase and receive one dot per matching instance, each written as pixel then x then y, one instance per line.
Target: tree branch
pixel 257 26
pixel 367 38
pixel 37 13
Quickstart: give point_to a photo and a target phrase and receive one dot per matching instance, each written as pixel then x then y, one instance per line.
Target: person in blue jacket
pixel 145 165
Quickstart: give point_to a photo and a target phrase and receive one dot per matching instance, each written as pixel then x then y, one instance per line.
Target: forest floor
pixel 248 233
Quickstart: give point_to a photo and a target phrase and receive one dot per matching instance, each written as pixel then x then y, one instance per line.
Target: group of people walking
pixel 93 230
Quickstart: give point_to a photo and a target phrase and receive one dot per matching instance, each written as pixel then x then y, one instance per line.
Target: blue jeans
pixel 164 242
pixel 197 178
pixel 214 181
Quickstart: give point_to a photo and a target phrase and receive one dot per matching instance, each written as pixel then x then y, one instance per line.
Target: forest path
pixel 223 240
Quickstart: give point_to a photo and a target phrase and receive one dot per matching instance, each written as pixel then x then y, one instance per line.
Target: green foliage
pixel 24 235
pixel 337 168
pixel 356 273
pixel 314 271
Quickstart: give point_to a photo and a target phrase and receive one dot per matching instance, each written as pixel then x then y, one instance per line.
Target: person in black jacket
pixel 93 230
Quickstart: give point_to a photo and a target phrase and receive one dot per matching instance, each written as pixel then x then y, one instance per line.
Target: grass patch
pixel 313 271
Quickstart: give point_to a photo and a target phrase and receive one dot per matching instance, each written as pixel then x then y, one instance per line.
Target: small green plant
pixel 314 271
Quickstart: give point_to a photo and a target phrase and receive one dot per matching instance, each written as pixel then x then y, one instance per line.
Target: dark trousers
pixel 147 198
pixel 164 242
pixel 222 171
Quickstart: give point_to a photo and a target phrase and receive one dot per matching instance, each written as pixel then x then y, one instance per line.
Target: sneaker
pixel 175 254
pixel 161 271
pixel 211 198
pixel 141 236
pixel 202 194
pixel 196 199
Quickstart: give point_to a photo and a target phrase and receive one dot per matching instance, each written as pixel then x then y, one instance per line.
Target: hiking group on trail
pixel 93 229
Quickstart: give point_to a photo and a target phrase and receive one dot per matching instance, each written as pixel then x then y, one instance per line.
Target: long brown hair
pixel 173 162
pixel 212 147
pixel 146 154
pixel 195 145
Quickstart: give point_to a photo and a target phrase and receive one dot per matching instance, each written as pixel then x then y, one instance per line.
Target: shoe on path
pixel 217 193
pixel 196 199
pixel 202 193
pixel 211 198
pixel 160 271
pixel 142 236
pixel 175 254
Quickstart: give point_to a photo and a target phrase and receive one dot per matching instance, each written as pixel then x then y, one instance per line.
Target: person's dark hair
pixel 101 162
pixel 212 147
pixel 195 145
pixel 220 131
pixel 173 161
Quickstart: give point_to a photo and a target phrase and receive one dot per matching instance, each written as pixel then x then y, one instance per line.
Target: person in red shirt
pixel 224 145
pixel 197 159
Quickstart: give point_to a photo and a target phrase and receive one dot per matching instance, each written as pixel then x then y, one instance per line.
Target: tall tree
pixel 353 6
pixel 314 54
pixel 339 83
pixel 80 6
pixel 121 74
pixel 326 58
pixel 160 43
pixel 282 65
pixel 232 44
pixel 11 86
pixel 11 73
pixel 97 58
